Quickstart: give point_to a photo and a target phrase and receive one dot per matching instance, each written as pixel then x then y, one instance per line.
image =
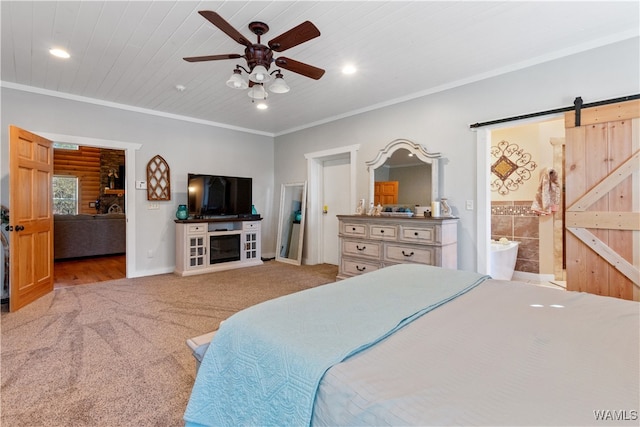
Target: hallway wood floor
pixel 88 270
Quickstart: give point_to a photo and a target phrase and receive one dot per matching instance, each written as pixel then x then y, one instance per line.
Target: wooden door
pixel 30 217
pixel 385 193
pixel 602 197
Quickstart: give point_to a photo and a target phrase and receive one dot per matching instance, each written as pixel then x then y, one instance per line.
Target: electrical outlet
pixel 153 206
pixel 469 205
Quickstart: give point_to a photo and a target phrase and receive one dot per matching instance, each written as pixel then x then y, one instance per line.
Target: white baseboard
pixel 532 277
pixel 144 273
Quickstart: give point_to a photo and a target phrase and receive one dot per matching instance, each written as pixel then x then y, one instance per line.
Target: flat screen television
pixel 216 195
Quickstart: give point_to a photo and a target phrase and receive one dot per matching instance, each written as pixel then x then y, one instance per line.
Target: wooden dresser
pixel 368 243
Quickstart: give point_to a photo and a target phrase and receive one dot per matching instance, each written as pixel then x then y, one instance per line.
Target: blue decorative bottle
pixel 253 210
pixel 182 212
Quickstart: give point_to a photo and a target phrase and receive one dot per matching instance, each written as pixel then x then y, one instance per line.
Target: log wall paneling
pixel 83 163
pixel 91 166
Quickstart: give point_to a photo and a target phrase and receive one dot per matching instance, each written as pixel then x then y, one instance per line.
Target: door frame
pixel 315 179
pixel 130 149
pixel 483 173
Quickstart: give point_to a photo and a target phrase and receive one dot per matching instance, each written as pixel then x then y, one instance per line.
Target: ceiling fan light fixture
pixel 257 92
pixel 236 81
pixel 259 74
pixel 279 85
pixel 262 106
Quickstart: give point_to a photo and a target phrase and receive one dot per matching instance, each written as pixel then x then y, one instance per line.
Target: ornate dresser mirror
pixel 410 168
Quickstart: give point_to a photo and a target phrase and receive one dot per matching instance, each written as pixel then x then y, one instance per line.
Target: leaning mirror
pixel 293 202
pixel 404 173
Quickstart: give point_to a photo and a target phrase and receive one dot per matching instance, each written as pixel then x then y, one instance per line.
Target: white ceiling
pixel 130 52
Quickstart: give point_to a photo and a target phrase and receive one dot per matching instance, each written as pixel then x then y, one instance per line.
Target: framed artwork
pixel 158 179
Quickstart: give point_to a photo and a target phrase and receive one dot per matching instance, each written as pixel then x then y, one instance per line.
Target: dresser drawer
pixel 356 230
pixel 250 225
pixel 365 249
pixel 399 253
pixel 196 228
pixel 356 267
pixel 419 234
pixel 383 232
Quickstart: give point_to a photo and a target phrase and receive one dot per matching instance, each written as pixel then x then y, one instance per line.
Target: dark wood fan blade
pixel 212 57
pixel 295 36
pixel 223 25
pixel 300 68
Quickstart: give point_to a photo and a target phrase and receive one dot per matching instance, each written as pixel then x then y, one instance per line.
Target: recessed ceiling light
pixel 262 106
pixel 349 69
pixel 60 53
pixel 180 88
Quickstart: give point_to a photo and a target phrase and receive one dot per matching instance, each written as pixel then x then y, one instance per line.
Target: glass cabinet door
pixel 250 245
pixel 197 251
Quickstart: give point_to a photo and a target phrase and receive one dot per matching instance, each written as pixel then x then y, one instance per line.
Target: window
pixel 65 195
pixel 65 146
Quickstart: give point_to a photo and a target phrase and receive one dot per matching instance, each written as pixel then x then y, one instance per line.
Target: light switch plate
pixel 141 185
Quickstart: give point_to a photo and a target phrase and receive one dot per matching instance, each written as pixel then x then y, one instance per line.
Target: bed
pixel 421 345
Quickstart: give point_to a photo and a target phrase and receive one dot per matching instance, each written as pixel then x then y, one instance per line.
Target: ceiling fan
pixel 260 57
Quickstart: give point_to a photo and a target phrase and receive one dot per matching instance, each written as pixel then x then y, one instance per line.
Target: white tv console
pixel 216 244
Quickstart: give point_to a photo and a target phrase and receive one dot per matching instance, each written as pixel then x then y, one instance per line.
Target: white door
pixel 335 196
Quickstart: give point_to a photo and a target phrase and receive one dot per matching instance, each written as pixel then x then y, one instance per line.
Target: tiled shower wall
pixel 515 221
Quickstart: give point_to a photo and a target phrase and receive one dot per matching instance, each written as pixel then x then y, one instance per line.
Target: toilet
pixel 503 256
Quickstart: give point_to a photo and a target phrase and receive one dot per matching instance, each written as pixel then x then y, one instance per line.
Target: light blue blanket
pixel 265 363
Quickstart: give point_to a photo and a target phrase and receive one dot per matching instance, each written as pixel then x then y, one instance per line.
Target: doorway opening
pixel 320 216
pixel 126 176
pixel 505 196
pixel 89 216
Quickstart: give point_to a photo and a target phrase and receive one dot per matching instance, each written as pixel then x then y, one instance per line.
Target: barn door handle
pixel 9 228
pixel 19 227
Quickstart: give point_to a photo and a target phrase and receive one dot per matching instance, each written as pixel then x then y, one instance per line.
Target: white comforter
pixel 505 353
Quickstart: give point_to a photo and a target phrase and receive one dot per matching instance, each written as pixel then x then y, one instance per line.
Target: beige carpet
pixel 114 353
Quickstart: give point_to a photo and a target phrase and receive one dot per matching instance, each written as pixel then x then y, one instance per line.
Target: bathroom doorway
pixel 519 154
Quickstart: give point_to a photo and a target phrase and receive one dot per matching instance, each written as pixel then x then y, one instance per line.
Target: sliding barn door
pixel 602 200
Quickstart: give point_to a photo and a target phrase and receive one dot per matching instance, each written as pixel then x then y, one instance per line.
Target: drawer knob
pixel 415 234
pixel 360 248
pixel 382 231
pixel 353 229
pixel 360 268
pixel 407 255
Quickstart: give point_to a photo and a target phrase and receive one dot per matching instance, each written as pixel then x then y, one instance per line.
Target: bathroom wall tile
pixel 526 226
pixel 501 226
pixel 515 221
pixel 528 249
pixel 527 266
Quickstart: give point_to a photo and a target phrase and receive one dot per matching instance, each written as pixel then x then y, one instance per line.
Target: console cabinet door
pixel 196 246
pixel 251 241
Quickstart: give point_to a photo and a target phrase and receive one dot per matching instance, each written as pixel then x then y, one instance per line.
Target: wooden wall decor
pixel 158 179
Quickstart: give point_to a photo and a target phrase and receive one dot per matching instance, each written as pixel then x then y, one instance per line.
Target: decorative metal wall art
pixel 511 168
pixel 158 179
